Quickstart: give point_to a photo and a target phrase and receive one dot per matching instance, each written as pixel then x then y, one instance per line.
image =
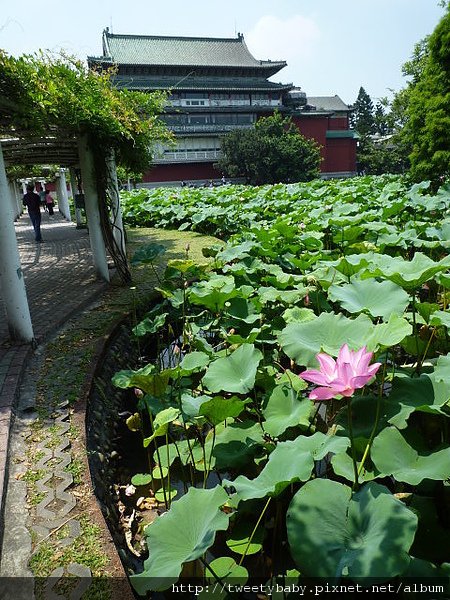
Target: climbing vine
pixel 59 97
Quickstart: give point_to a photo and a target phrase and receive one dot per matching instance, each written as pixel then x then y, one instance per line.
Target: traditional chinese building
pixel 216 85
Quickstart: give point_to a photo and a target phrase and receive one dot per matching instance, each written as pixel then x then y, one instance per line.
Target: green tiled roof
pixel 341 133
pixel 213 84
pixel 328 103
pixel 181 51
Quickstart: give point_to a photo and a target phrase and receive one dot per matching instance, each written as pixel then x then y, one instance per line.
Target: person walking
pixel 49 203
pixel 33 202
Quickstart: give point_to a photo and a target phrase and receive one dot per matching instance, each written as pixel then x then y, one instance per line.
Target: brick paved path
pixel 60 280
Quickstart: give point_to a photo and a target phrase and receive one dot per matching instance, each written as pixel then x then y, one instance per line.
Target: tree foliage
pixel 45 94
pixel 363 114
pixel 273 151
pixel 428 108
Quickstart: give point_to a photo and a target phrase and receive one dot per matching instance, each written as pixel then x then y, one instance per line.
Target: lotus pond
pixel 294 414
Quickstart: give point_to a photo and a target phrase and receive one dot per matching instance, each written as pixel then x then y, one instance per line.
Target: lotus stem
pixel 352 445
pixel 254 529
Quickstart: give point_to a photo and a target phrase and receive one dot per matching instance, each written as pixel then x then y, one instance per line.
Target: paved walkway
pixel 60 280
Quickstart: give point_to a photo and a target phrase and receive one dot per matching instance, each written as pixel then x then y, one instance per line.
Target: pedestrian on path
pixel 33 202
pixel 49 202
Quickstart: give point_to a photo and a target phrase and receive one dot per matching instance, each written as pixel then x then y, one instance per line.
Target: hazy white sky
pixel 331 46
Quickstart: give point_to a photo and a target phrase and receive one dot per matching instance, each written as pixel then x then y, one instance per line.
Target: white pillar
pixel 18 198
pixel 113 187
pixel 74 187
pixel 63 199
pixel 13 200
pixel 92 211
pixel 11 276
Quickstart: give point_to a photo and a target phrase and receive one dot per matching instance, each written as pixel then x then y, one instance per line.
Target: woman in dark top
pixel 33 202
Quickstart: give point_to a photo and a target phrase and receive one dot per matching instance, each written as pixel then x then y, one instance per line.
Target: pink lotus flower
pixel 342 377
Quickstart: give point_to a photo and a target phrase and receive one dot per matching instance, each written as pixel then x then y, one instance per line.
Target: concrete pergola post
pixel 11 276
pixel 74 187
pixel 63 199
pixel 13 200
pixel 18 198
pixel 113 187
pixel 92 210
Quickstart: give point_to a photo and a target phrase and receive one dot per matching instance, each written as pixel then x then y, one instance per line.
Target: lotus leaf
pixel 380 299
pixel 290 461
pixel 332 532
pixel 171 546
pixel 392 455
pixel 234 373
pixel 285 409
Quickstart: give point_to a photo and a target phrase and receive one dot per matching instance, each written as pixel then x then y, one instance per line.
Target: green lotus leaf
pixel 241 309
pixel 148 379
pixel 239 541
pixel 181 265
pixel 171 545
pixel 165 494
pixel 380 299
pixel 147 254
pixel 213 293
pixel 440 317
pixel 191 404
pixel 168 453
pixel 235 445
pixel 392 455
pixel 332 532
pixel 285 409
pixel 290 461
pixel 217 409
pixel 298 315
pixel 410 394
pixel 149 325
pixel 408 274
pixel 329 331
pixel 388 334
pixel 225 568
pixel 161 423
pixel 234 373
pixel 141 479
pixel 159 472
pixel 342 464
pixel 193 362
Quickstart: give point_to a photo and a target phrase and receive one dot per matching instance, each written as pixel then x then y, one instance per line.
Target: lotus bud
pixel 306 300
pixel 176 349
pixel 138 393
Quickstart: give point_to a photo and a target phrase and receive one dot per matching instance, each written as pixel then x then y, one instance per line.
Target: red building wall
pixel 340 155
pixel 335 123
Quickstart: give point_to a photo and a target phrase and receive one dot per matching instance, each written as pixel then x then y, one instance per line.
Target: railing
pixel 208 127
pixel 188 156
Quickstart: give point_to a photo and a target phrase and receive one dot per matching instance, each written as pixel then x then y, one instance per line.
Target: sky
pixel 331 46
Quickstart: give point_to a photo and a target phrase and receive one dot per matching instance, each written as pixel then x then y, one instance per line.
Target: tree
pixel 363 114
pixel 428 108
pixel 273 151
